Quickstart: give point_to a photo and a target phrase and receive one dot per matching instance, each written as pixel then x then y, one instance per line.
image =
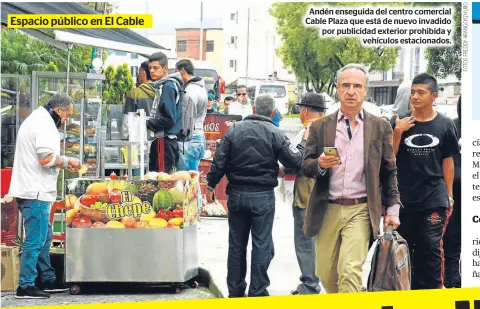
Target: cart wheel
pixel 75 289
pixel 194 285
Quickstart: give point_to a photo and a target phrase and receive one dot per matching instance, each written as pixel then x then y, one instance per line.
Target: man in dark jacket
pixel 453 234
pixel 165 116
pixel 248 154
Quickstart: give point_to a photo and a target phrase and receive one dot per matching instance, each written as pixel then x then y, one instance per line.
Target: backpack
pixel 188 121
pixel 391 267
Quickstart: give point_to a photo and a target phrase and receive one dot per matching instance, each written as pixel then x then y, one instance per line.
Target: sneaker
pixel 50 287
pixel 31 292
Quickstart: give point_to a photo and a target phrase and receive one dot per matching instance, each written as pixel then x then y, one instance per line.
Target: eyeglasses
pixel 241 94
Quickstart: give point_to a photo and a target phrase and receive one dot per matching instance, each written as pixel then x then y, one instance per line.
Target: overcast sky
pixel 168 15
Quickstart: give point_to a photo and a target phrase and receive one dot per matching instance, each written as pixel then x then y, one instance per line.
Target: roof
pixel 125 36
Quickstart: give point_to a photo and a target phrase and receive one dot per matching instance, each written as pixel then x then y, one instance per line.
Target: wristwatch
pixel 451 200
pixel 210 189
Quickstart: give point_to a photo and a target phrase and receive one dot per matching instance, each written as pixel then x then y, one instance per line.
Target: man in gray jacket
pixel 194 109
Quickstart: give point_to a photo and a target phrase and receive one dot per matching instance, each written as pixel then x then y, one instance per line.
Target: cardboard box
pixel 10 268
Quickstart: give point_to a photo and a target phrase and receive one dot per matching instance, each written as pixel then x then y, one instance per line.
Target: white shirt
pixel 30 180
pixel 237 108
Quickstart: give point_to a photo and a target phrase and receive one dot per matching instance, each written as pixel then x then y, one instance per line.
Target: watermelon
pixel 162 200
pixel 126 186
pixel 177 196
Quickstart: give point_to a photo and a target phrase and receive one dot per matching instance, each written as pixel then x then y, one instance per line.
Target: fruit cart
pixel 135 231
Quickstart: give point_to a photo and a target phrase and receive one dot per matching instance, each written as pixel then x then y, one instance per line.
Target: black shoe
pixel 32 292
pixel 50 287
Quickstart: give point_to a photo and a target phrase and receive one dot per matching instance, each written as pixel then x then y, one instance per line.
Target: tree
pixel 98 6
pixel 22 54
pixel 118 83
pixel 447 61
pixel 314 59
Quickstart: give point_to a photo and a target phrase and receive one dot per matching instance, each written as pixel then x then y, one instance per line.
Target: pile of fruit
pixel 89 209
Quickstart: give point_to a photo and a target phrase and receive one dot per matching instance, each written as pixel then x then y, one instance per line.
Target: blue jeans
pixel 36 247
pixel 250 210
pixel 191 153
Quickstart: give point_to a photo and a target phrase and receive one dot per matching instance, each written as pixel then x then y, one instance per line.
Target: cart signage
pixel 131 204
pixel 128 208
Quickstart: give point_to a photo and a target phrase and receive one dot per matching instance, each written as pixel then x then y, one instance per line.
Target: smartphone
pixel 331 151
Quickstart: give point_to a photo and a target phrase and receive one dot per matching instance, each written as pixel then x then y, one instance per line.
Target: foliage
pixel 22 54
pixel 314 59
pixel 95 5
pixel 447 61
pixel 118 83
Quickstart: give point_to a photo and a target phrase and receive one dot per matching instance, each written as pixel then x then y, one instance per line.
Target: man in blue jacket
pixel 164 122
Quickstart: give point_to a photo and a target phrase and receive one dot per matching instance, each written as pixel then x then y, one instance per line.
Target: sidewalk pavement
pixel 284 272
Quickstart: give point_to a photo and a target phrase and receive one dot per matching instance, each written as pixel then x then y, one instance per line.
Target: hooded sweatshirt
pixel 166 112
pixel 401 105
pixel 194 105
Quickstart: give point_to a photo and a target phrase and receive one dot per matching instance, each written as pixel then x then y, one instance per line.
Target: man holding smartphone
pixel 344 209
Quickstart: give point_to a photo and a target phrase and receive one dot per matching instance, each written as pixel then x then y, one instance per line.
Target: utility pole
pixel 201 31
pixel 266 55
pixel 248 45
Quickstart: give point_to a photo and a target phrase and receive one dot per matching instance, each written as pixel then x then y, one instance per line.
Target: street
pixel 212 249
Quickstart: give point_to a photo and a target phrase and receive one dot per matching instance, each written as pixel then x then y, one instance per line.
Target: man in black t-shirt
pixel 425 142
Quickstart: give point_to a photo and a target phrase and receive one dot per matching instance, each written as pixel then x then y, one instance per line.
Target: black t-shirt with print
pixel 420 162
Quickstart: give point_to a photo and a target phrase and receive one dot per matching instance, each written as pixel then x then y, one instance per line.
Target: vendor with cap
pixel 312 108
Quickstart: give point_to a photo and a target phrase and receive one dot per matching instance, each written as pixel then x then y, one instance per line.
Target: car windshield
pixel 276 90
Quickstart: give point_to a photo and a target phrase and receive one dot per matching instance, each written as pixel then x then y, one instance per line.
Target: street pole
pixel 201 31
pixel 266 55
pixel 274 55
pixel 248 45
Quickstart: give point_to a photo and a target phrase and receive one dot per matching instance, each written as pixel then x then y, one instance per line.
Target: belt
pixel 348 202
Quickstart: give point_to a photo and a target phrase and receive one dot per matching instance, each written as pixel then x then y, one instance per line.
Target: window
pixel 232 40
pixel 134 71
pixel 233 16
pixel 210 46
pixel 233 65
pixel 120 53
pixel 134 56
pixel 276 91
pixel 181 46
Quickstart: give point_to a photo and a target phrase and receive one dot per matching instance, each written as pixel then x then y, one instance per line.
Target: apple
pixel 115 196
pixel 82 222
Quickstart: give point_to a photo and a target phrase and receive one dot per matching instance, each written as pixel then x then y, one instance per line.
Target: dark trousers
pixel 424 230
pixel 305 251
pixel 250 210
pixel 170 155
pixel 453 246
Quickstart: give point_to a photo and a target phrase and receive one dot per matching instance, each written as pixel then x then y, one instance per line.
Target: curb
pixel 206 279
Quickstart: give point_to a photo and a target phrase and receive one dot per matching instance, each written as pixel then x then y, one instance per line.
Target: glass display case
pixel 15 107
pixel 81 135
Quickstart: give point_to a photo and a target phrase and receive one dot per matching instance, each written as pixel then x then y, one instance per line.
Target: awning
pixel 115 39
